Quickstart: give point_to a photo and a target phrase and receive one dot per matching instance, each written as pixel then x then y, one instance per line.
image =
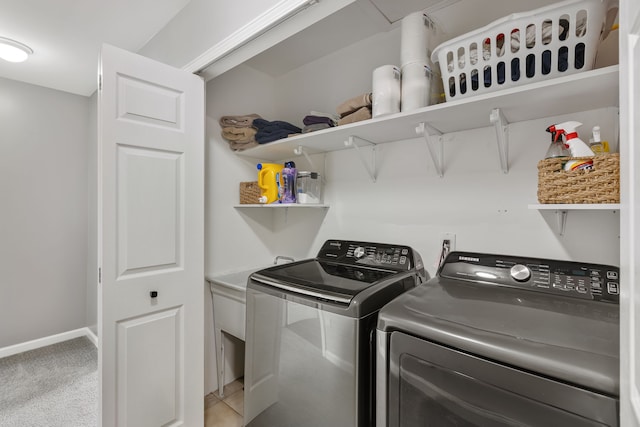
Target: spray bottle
pixel 557 147
pixel 577 147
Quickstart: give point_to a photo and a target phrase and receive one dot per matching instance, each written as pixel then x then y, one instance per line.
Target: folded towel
pixel 351 105
pixel 240 146
pixel 276 125
pixel 314 120
pixel 321 114
pixel 239 134
pixel 238 121
pixel 263 138
pixel 272 131
pixel 363 113
pixel 316 126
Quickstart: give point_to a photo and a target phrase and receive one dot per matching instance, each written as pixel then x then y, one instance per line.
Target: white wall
pixel 43 224
pixel 409 204
pixel 486 209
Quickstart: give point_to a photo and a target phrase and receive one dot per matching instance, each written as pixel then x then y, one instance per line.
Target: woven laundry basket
pixel 522 48
pixel 249 193
pixel 601 184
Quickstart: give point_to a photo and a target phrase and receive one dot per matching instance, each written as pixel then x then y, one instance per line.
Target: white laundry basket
pixel 560 39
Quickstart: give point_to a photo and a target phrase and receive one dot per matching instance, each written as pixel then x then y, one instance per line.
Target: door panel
pixel 151 244
pixel 149 103
pixel 150 226
pixel 151 360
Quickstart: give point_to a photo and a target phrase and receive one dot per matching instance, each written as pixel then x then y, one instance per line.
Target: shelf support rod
pixel 502 134
pixel 561 218
pixel 371 169
pixel 301 151
pixel 433 138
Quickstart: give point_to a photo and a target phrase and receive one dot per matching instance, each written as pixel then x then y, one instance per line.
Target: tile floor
pixel 228 411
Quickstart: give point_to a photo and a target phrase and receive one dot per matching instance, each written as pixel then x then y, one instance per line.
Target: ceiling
pixel 66 36
pixel 364 18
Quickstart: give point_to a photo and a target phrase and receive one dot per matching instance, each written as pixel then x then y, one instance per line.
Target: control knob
pixel 520 273
pixel 358 252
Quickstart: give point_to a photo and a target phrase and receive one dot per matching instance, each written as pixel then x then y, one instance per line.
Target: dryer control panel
pixel 575 279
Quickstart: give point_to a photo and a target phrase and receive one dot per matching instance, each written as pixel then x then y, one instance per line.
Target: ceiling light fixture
pixel 13 51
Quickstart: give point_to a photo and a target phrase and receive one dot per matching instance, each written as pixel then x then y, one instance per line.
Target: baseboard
pixel 52 339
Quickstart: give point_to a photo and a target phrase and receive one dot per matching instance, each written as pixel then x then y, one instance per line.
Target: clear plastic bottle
pixel 309 187
pixel 289 174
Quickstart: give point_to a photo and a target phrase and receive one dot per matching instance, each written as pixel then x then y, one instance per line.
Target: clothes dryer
pixel 498 340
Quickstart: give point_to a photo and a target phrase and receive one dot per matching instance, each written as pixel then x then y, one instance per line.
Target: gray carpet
pixel 53 386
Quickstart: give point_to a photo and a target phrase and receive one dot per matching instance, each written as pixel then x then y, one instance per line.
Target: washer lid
pixel 340 282
pixel 573 340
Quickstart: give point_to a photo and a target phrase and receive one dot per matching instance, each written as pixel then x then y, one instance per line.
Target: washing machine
pixel 497 340
pixel 310 334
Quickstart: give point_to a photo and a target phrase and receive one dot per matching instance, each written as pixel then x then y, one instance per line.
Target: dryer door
pixel 439 386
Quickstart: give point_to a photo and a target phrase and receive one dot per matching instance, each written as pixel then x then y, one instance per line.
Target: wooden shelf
pixel 584 91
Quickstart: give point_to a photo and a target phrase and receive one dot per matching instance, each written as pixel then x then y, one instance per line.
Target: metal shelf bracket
pixel 433 138
pixel 561 218
pixel 502 135
pixel 370 168
pixel 301 151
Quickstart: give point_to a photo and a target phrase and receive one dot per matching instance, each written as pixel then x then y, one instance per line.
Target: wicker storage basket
pixel 249 193
pixel 598 185
pixel 523 48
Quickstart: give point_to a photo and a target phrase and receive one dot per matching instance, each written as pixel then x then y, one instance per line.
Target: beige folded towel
pixel 234 134
pixel 351 105
pixel 239 146
pixel 363 113
pixel 238 121
pixel 240 138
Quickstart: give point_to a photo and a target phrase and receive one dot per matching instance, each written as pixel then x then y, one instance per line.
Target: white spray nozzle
pixel 568 127
pixel 596 133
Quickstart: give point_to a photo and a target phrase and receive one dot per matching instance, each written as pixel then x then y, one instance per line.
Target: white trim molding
pixel 52 339
pixel 282 11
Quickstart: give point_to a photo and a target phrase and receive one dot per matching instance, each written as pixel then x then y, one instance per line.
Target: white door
pixel 151 228
pixel 630 213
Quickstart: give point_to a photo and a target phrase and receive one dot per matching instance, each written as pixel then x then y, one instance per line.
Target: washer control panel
pixel 581 280
pixel 378 255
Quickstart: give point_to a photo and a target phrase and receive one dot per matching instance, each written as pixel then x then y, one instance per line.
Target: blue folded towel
pixel 314 120
pixel 272 131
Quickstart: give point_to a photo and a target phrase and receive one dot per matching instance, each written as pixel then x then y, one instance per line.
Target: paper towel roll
pixel 417 39
pixel 416 86
pixel 386 90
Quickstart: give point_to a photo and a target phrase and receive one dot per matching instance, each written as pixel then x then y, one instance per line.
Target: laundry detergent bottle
pixel 288 188
pixel 269 181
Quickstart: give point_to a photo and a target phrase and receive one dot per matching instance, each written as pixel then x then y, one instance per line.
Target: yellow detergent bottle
pixel 269 181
